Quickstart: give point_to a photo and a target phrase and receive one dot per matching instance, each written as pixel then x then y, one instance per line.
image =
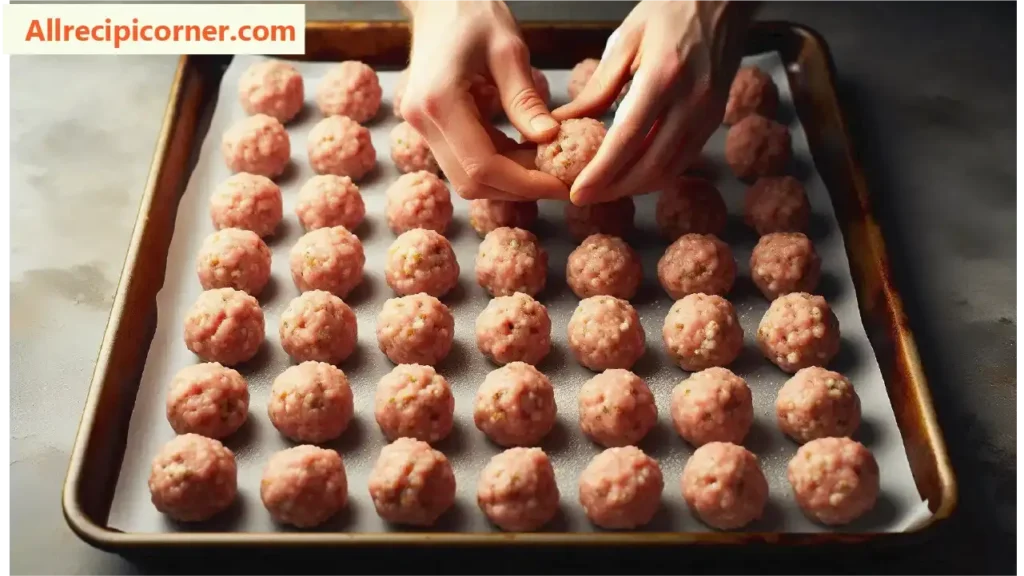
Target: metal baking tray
pixel 101 442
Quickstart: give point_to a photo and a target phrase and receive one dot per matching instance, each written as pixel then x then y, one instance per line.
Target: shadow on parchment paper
pixel 454 520
pixel 257 363
pixel 558 523
pixel 554 287
pixel 454 444
pixel 801 169
pixel 759 438
pixel 343 521
pixel 883 514
pixel 456 360
pixel 351 439
pixel 658 442
pixel 749 360
pixel 371 177
pixel 356 361
pixel 770 520
pixel 556 359
pixel 868 432
pixel 648 364
pixel 557 440
pixel 270 291
pixel 848 357
pixel 830 287
pixel 229 520
pixel 647 293
pixel 307 112
pixel 289 176
pixel 744 290
pixel 737 233
pixel 818 228
pixel 457 295
pixel 363 292
pixel 245 436
pixel 668 518
pixel 366 230
pixel 456 228
pixel 280 235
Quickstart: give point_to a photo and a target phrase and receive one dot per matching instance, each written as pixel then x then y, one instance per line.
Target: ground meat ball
pixel 817 403
pixel 414 401
pixel 713 405
pixel 621 488
pixel 757 146
pixel 690 206
pixel 784 262
pixel 418 200
pixel 723 485
pixel 777 204
pixel 311 402
pixel 421 261
pixel 616 408
pixel 193 478
pixel 752 92
pixel 317 325
pixel 234 258
pixel 207 399
pixel 797 331
pixel 515 406
pixel 580 75
pixel 695 264
pixel 511 260
pixel 517 490
pixel 572 149
pixel 614 218
pixel 304 486
pixel 411 483
pixel 249 202
pixel 603 266
pixel 410 151
pixel 835 480
pixel 329 259
pixel 701 331
pixel 396 101
pixel 514 328
pixel 485 95
pixel 271 87
pixel 327 200
pixel 349 89
pixel 415 329
pixel 540 82
pixel 257 145
pixel 605 333
pixel 338 145
pixel 224 325
pixel 487 215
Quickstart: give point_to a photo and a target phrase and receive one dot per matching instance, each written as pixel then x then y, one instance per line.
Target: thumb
pixel 526 110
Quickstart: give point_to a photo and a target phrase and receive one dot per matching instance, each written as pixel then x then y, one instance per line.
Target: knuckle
pixel 469 191
pixel 511 49
pixel 476 173
pixel 526 100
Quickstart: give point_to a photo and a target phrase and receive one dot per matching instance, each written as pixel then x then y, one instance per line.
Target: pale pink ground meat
pixel 317 325
pixel 329 259
pixel 257 145
pixel 817 403
pixel 580 75
pixel 517 490
pixel 411 483
pixel 207 399
pixel 396 100
pixel 784 262
pixel 304 486
pixel 193 478
pixel 339 145
pixel 777 204
pixel 418 200
pixel 752 92
pixel 797 331
pixel 713 405
pixel 410 151
pixel 724 486
pixel 349 89
pixel 515 405
pixel 511 260
pixel 690 206
pixel 249 202
pixel 224 325
pixel 514 328
pixel 613 218
pixel 234 258
pixel 756 147
pixel 835 480
pixel 486 215
pixel 616 408
pixel 421 261
pixel 540 82
pixel 273 88
pixel 605 332
pixel 414 401
pixel 572 149
pixel 415 329
pixel 311 402
pixel 326 201
pixel 701 331
pixel 603 266
pixel 697 263
pixel 621 488
pixel 485 95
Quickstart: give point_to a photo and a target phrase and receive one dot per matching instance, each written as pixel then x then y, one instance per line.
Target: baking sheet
pixel 899 506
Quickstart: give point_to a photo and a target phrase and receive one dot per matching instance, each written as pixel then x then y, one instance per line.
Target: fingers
pixel 604 86
pixel 509 61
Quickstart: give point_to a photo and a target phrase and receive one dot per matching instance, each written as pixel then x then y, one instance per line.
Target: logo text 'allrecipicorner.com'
pixel 53 30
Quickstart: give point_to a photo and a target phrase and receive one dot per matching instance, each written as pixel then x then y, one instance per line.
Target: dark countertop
pixel 929 91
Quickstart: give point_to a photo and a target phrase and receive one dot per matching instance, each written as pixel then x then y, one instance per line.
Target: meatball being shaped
pixel 411 483
pixel 339 145
pixel 421 261
pixel 604 266
pixel 605 333
pixel 756 147
pixel 514 328
pixel 271 87
pixel 257 145
pixel 580 75
pixel 224 325
pixel 784 262
pixel 515 406
pixel 701 331
pixel 193 478
pixel 697 264
pixel 511 260
pixel 329 259
pixel 614 218
pixel 517 490
pixel 415 329
pixel 572 149
pixel 752 92
pixel 616 408
pixel 835 480
pixel 414 401
pixel 486 215
pixel 234 258
pixel 317 325
pixel 326 201
pixel 817 403
pixel 418 200
pixel 311 402
pixel 410 151
pixel 349 89
pixel 304 486
pixel 690 206
pixel 723 485
pixel 621 488
pixel 777 204
pixel 207 399
pixel 712 405
pixel 797 331
pixel 249 202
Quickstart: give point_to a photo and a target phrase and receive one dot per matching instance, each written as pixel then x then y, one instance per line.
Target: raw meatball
pixel 777 204
pixel 193 478
pixel 621 488
pixel 835 480
pixel 271 87
pixel 317 325
pixel 605 333
pixel 756 147
pixel 418 200
pixel 517 490
pixel 329 259
pixel 349 89
pixel 224 325
pixel 752 92
pixel 207 399
pixel 784 262
pixel 697 263
pixel 421 261
pixel 410 151
pixel 515 406
pixel 712 405
pixel 690 206
pixel 603 265
pixel 338 145
pixel 723 485
pixel 234 258
pixel 701 331
pixel 580 75
pixel 514 328
pixel 415 329
pixel 817 403
pixel 797 331
pixel 572 149
pixel 540 82
pixel 414 401
pixel 257 145
pixel 411 483
pixel 614 218
pixel 311 402
pixel 327 200
pixel 511 260
pixel 616 408
pixel 487 215
pixel 304 486
pixel 249 202
pixel 396 104
pixel 485 95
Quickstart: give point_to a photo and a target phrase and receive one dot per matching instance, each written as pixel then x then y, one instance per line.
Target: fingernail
pixel 543 123
pixel 580 196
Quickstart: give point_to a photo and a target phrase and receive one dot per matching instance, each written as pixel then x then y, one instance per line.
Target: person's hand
pixel 682 56
pixel 457 46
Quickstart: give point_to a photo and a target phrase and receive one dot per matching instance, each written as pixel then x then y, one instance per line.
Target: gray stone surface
pixel 929 92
